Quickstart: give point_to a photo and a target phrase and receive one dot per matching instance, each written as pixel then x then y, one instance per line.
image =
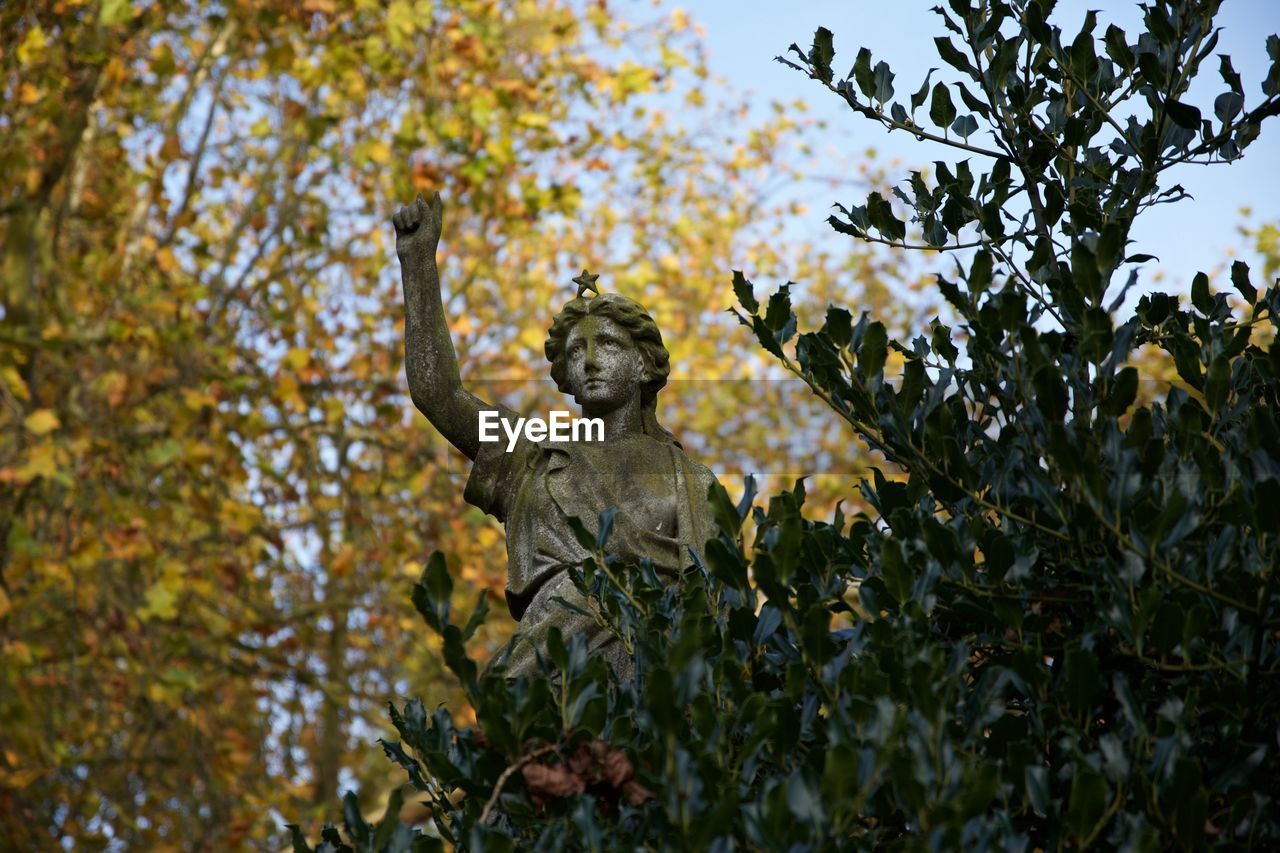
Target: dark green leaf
pixel 953 56
pixel 477 616
pixel 1036 782
pixel 941 111
pixel 432 592
pixel 605 528
pixel 821 54
pixel 396 753
pixel 1084 269
pixel 1110 245
pixel 390 822
pixel 1227 106
pixel 298 839
pixel 1088 800
pixel 1183 115
pixel 1152 70
pixel 965 126
pixel 883 79
pixel 862 73
pixel 839 326
pixel 744 293
pixel 778 313
pixel 1082 679
pixel 1229 75
pixel 1098 335
pixel 1117 48
pixel 357 828
pixel 1051 393
pixel 895 571
pixel 1200 293
pixel 1186 359
pixel 980 271
pixel 1217 382
pixel 872 353
pixel 1240 279
pixel 586 538
pixel 1123 392
pixel 804 800
pixel 919 97
pixel 942 345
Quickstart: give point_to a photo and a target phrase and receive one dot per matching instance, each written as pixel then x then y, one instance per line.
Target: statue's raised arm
pixel 430 362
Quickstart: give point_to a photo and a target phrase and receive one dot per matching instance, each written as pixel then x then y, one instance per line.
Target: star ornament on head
pixel 586 282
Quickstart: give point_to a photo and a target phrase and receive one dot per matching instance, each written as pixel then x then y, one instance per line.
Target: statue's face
pixel 604 366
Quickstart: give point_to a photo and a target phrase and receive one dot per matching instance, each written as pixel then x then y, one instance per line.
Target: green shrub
pixel 1068 622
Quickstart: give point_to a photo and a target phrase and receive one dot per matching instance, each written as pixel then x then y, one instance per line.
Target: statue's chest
pixel 642 479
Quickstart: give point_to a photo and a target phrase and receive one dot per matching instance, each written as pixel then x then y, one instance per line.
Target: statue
pixel 607 352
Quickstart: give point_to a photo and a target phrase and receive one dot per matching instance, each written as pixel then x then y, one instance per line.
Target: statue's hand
pixel 418 226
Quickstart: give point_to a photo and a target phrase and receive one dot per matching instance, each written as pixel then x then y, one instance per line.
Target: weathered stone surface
pixel 607 352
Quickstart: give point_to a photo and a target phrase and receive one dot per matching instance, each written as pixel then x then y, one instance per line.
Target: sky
pixel 743 37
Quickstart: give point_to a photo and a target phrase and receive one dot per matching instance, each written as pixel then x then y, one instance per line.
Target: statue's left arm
pixel 431 364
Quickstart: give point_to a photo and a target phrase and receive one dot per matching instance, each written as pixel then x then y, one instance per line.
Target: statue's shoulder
pixel 703 476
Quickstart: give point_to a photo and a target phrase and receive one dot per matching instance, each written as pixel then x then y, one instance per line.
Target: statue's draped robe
pixel 537 486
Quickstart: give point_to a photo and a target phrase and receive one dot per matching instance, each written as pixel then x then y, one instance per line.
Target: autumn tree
pixel 215 493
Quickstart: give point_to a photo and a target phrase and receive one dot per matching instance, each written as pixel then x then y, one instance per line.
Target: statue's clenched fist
pixel 418 226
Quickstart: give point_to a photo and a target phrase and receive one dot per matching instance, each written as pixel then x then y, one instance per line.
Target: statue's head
pixel 607 349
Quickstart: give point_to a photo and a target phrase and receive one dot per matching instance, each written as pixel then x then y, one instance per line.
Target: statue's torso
pixel 660 495
pixel 642 476
pixel 536 487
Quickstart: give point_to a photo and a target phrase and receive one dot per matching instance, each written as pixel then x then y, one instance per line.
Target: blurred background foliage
pixel 214 494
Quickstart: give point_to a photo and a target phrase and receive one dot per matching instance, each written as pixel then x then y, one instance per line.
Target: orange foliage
pixel 214 493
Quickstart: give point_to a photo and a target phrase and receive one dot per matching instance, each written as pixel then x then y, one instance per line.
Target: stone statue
pixel 607 352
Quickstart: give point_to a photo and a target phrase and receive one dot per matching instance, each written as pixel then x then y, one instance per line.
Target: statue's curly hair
pixel 630 315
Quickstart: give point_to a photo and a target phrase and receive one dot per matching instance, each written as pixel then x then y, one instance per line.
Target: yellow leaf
pixel 162 694
pixel 59 573
pixel 42 422
pixel 380 153
pixel 334 410
pixel 115 12
pixel 32 47
pixel 532 338
pixel 16 386
pixel 296 358
pixel 290 394
pixel 162 599
pixel 18 652
pixel 115 385
pixel 166 260
pixel 400 23
pixel 535 120
pixel 412 569
pixel 195 399
pixel 39 464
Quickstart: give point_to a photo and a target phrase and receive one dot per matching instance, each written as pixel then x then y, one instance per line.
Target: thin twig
pixel 506 774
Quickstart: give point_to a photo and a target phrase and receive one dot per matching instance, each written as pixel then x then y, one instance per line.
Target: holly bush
pixel 1063 596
